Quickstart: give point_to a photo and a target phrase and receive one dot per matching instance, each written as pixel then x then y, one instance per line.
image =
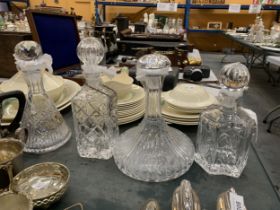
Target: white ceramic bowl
pixel 189 96
pixel 54 85
pixel 121 84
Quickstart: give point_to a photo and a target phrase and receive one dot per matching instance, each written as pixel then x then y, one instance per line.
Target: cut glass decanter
pixel 46 127
pixel 95 106
pixel 153 151
pixel 225 131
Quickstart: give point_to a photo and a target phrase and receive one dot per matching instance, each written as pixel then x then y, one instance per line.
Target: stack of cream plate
pixel 184 103
pixel 130 97
pixel 60 90
pixel 131 107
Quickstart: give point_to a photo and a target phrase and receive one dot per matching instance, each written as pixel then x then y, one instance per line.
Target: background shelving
pixel 187 10
pixel 23 1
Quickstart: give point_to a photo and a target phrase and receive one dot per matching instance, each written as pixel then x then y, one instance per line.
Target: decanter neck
pixel 93 79
pixel 34 81
pixel 153 85
pixel 229 98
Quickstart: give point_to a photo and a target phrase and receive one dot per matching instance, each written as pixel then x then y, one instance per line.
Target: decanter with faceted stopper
pixel 95 106
pixel 153 151
pixel 225 131
pixel 46 127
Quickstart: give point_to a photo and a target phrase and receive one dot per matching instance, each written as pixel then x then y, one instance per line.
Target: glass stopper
pixel 235 76
pixel 90 50
pixel 28 50
pixel 153 64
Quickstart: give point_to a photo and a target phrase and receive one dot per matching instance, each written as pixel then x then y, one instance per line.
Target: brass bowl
pixel 45 183
pixel 10 160
pixel 15 201
pixel 10 149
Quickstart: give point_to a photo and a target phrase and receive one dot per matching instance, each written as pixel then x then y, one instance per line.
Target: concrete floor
pixel 261 97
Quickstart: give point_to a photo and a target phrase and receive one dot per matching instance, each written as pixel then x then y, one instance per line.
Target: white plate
pixel 187 111
pixel 130 112
pixel 71 88
pixel 173 113
pixel 180 122
pixel 131 106
pixel 184 107
pixel 130 119
pixel 137 94
pixel 64 106
pixel 180 119
pixel 187 96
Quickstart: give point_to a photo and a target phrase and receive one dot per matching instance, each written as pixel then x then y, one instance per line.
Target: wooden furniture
pixel 8 41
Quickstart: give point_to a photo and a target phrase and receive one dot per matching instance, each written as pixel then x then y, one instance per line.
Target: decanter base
pixel 47 149
pixel 91 153
pixel 142 177
pixel 153 152
pixel 220 169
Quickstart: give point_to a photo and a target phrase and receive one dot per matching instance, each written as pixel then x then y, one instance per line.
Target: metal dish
pixel 15 201
pixel 45 183
pixel 10 149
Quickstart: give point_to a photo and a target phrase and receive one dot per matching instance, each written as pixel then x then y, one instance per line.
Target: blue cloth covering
pixel 59 38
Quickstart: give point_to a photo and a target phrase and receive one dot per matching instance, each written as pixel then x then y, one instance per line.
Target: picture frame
pixel 214 25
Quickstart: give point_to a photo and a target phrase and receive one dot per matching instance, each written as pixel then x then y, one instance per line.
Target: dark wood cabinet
pixel 8 41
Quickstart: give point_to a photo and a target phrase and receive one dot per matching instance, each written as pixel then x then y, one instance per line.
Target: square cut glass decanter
pixel 45 125
pixel 153 151
pixel 226 130
pixel 95 106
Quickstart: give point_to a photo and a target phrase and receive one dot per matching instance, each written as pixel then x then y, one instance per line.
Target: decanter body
pixel 225 131
pixel 46 128
pixel 153 151
pixel 95 106
pixel 94 120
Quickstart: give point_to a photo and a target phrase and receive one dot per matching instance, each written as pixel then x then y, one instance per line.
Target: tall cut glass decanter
pixel 95 106
pixel 225 131
pixel 153 151
pixel 46 127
